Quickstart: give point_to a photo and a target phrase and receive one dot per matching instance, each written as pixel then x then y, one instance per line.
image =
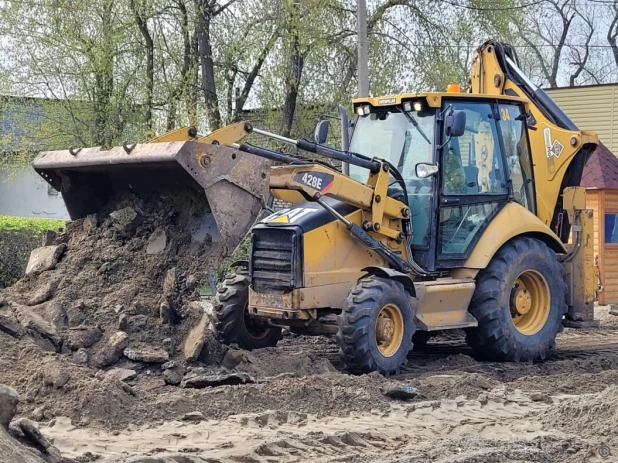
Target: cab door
pixel 473 181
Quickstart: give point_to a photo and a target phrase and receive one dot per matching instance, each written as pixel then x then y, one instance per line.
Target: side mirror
pixel 426 170
pixel 455 124
pixel 321 131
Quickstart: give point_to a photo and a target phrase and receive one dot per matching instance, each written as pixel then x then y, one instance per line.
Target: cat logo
pixel 289 216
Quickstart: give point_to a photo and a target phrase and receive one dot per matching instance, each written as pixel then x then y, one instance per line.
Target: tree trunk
pixel 149 45
pixel 184 85
pixel 104 78
pixel 207 65
pixel 241 99
pixel 293 74
pixel 193 80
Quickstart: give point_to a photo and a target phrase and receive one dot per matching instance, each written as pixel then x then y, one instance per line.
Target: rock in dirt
pixel 133 322
pixel 9 398
pixel 90 223
pixel 83 336
pixel 41 413
pixel 28 431
pixel 112 349
pixel 173 372
pixel 613 310
pixel 55 377
pixel 11 327
pixel 197 338
pixel 157 242
pixel 235 357
pixel 81 356
pixel 54 312
pixel 146 354
pixel 45 292
pixel 45 258
pixel 400 391
pixel 193 416
pixel 169 282
pixel 165 312
pixel 233 378
pixel 12 451
pixel 126 219
pixel 540 397
pixel 123 374
pixel 35 323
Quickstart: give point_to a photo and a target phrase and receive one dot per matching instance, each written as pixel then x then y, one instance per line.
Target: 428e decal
pixel 319 181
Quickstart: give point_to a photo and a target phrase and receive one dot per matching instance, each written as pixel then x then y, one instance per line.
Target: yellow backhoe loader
pixel 235 185
pixel 455 210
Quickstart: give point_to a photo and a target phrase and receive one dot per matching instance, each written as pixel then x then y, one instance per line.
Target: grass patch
pixel 21 224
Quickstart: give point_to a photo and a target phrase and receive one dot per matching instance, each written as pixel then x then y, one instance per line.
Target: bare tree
pixel 551 31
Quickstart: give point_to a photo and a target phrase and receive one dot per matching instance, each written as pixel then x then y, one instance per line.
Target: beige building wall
pixel 593 107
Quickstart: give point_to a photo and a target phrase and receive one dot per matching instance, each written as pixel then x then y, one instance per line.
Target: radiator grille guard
pixel 276 263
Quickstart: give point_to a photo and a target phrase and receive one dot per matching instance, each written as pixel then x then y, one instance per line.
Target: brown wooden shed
pixel 601 182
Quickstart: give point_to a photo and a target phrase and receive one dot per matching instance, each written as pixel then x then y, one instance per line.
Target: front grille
pixel 275 260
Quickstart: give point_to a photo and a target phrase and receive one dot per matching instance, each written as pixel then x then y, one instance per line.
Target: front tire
pixel 519 302
pixel 376 326
pixel 232 322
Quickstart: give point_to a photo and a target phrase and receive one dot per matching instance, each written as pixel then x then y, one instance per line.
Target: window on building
pixel 611 228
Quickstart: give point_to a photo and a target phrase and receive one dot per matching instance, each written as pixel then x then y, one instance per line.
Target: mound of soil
pixel 592 415
pixel 134 267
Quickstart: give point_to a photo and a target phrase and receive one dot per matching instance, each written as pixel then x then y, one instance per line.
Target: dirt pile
pixel 592 415
pixel 123 286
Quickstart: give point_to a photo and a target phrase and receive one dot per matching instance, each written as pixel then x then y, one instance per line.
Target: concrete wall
pixel 24 194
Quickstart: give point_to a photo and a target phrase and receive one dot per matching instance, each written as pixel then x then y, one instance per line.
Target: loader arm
pixel 224 136
pixel 559 149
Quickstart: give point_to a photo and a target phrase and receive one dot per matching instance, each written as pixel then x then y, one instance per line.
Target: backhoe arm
pixel 559 149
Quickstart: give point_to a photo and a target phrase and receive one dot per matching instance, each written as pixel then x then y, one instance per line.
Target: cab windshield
pixel 402 138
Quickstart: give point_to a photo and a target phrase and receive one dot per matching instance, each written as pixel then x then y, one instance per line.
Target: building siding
pixel 591 108
pixel 23 193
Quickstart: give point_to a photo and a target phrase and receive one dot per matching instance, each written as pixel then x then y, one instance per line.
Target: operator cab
pixel 456 178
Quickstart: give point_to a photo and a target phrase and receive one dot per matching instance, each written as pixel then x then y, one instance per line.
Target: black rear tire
pixel 504 334
pixel 232 322
pixel 360 348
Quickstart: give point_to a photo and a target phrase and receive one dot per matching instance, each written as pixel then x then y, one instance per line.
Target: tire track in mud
pixel 287 437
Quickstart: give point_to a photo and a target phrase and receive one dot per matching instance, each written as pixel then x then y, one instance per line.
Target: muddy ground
pixel 108 344
pixel 303 407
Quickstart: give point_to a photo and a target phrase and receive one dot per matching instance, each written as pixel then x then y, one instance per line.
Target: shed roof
pixel 601 171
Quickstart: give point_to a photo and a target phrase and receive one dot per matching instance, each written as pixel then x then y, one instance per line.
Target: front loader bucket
pixel 235 184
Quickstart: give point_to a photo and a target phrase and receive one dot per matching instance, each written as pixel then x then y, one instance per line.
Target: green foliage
pixel 240 253
pixel 18 237
pixel 33 226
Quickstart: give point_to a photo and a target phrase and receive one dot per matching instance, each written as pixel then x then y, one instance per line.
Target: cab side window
pixel 519 162
pixel 473 162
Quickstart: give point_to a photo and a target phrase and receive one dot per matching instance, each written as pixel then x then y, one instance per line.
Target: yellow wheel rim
pixel 389 330
pixel 530 302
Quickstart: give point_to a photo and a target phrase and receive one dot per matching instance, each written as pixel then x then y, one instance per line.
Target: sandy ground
pixel 120 290
pixel 564 409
